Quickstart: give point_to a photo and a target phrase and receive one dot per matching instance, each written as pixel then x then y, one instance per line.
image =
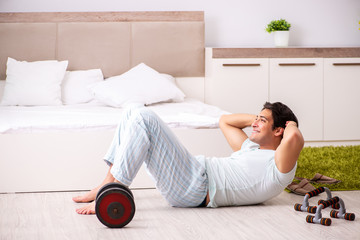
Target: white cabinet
pixel 342 99
pixel 298 83
pixel 323 92
pixel 236 85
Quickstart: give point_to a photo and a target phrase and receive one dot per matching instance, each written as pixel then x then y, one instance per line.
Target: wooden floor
pixel 52 216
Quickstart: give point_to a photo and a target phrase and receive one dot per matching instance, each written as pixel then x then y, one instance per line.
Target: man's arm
pixel 289 149
pixel 232 124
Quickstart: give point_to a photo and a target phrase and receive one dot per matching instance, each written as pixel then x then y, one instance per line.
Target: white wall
pixel 235 23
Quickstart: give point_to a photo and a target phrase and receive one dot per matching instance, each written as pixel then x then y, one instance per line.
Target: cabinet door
pixel 237 85
pixel 342 99
pixel 298 83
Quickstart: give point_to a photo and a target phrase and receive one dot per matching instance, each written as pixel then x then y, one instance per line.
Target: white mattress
pixel 189 114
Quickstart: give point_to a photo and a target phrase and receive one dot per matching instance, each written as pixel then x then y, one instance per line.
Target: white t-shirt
pixel 248 176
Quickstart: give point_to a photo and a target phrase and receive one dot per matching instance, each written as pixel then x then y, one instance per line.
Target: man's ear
pixel 279 131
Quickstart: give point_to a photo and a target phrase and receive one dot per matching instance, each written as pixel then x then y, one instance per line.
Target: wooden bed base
pixel 69 161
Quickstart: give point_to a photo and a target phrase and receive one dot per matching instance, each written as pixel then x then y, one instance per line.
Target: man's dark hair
pixel 281 114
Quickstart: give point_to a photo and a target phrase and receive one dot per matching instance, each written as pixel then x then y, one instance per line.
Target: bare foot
pixel 87 197
pixel 90 196
pixel 87 210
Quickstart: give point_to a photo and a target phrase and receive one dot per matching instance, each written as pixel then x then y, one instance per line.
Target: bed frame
pixel 170 42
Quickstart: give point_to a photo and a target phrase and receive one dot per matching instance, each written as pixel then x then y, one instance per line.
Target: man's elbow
pixel 296 139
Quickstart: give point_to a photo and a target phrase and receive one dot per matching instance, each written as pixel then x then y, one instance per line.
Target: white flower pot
pixel 281 38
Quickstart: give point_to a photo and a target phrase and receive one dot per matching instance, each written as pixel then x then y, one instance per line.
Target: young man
pixel 259 169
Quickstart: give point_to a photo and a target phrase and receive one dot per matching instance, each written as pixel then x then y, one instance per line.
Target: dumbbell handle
pixel 322 221
pixel 316 192
pixel 346 216
pixel 309 209
pixel 329 202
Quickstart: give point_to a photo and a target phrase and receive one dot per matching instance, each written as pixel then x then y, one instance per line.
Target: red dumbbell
pixel 115 206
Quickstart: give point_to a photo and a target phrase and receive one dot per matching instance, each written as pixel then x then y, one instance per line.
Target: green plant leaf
pixel 278 25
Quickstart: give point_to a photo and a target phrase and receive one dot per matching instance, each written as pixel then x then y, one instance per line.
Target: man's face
pixel 262 132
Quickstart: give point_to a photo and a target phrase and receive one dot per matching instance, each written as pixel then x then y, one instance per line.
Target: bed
pixel 58 146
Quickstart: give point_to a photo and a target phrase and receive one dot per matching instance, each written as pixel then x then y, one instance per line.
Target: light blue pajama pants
pixel 142 137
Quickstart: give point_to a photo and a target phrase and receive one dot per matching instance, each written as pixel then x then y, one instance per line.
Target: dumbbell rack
pixel 335 202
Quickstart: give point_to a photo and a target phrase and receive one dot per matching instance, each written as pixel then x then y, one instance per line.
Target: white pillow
pixel 169 77
pixel 33 83
pixel 140 84
pixel 2 86
pixel 75 85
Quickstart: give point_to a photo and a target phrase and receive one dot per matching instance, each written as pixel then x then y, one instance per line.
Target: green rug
pixel 341 163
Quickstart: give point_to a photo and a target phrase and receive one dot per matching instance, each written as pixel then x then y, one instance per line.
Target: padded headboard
pixel 170 42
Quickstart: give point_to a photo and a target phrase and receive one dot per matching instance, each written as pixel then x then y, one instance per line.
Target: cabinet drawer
pixel 341 98
pixel 237 85
pixel 298 83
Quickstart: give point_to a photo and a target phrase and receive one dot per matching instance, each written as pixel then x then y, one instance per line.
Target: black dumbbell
pixel 115 206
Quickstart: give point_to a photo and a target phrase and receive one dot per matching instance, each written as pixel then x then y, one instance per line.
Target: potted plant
pixel 281 32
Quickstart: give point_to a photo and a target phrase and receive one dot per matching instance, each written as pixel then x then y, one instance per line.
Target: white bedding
pixel 188 114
